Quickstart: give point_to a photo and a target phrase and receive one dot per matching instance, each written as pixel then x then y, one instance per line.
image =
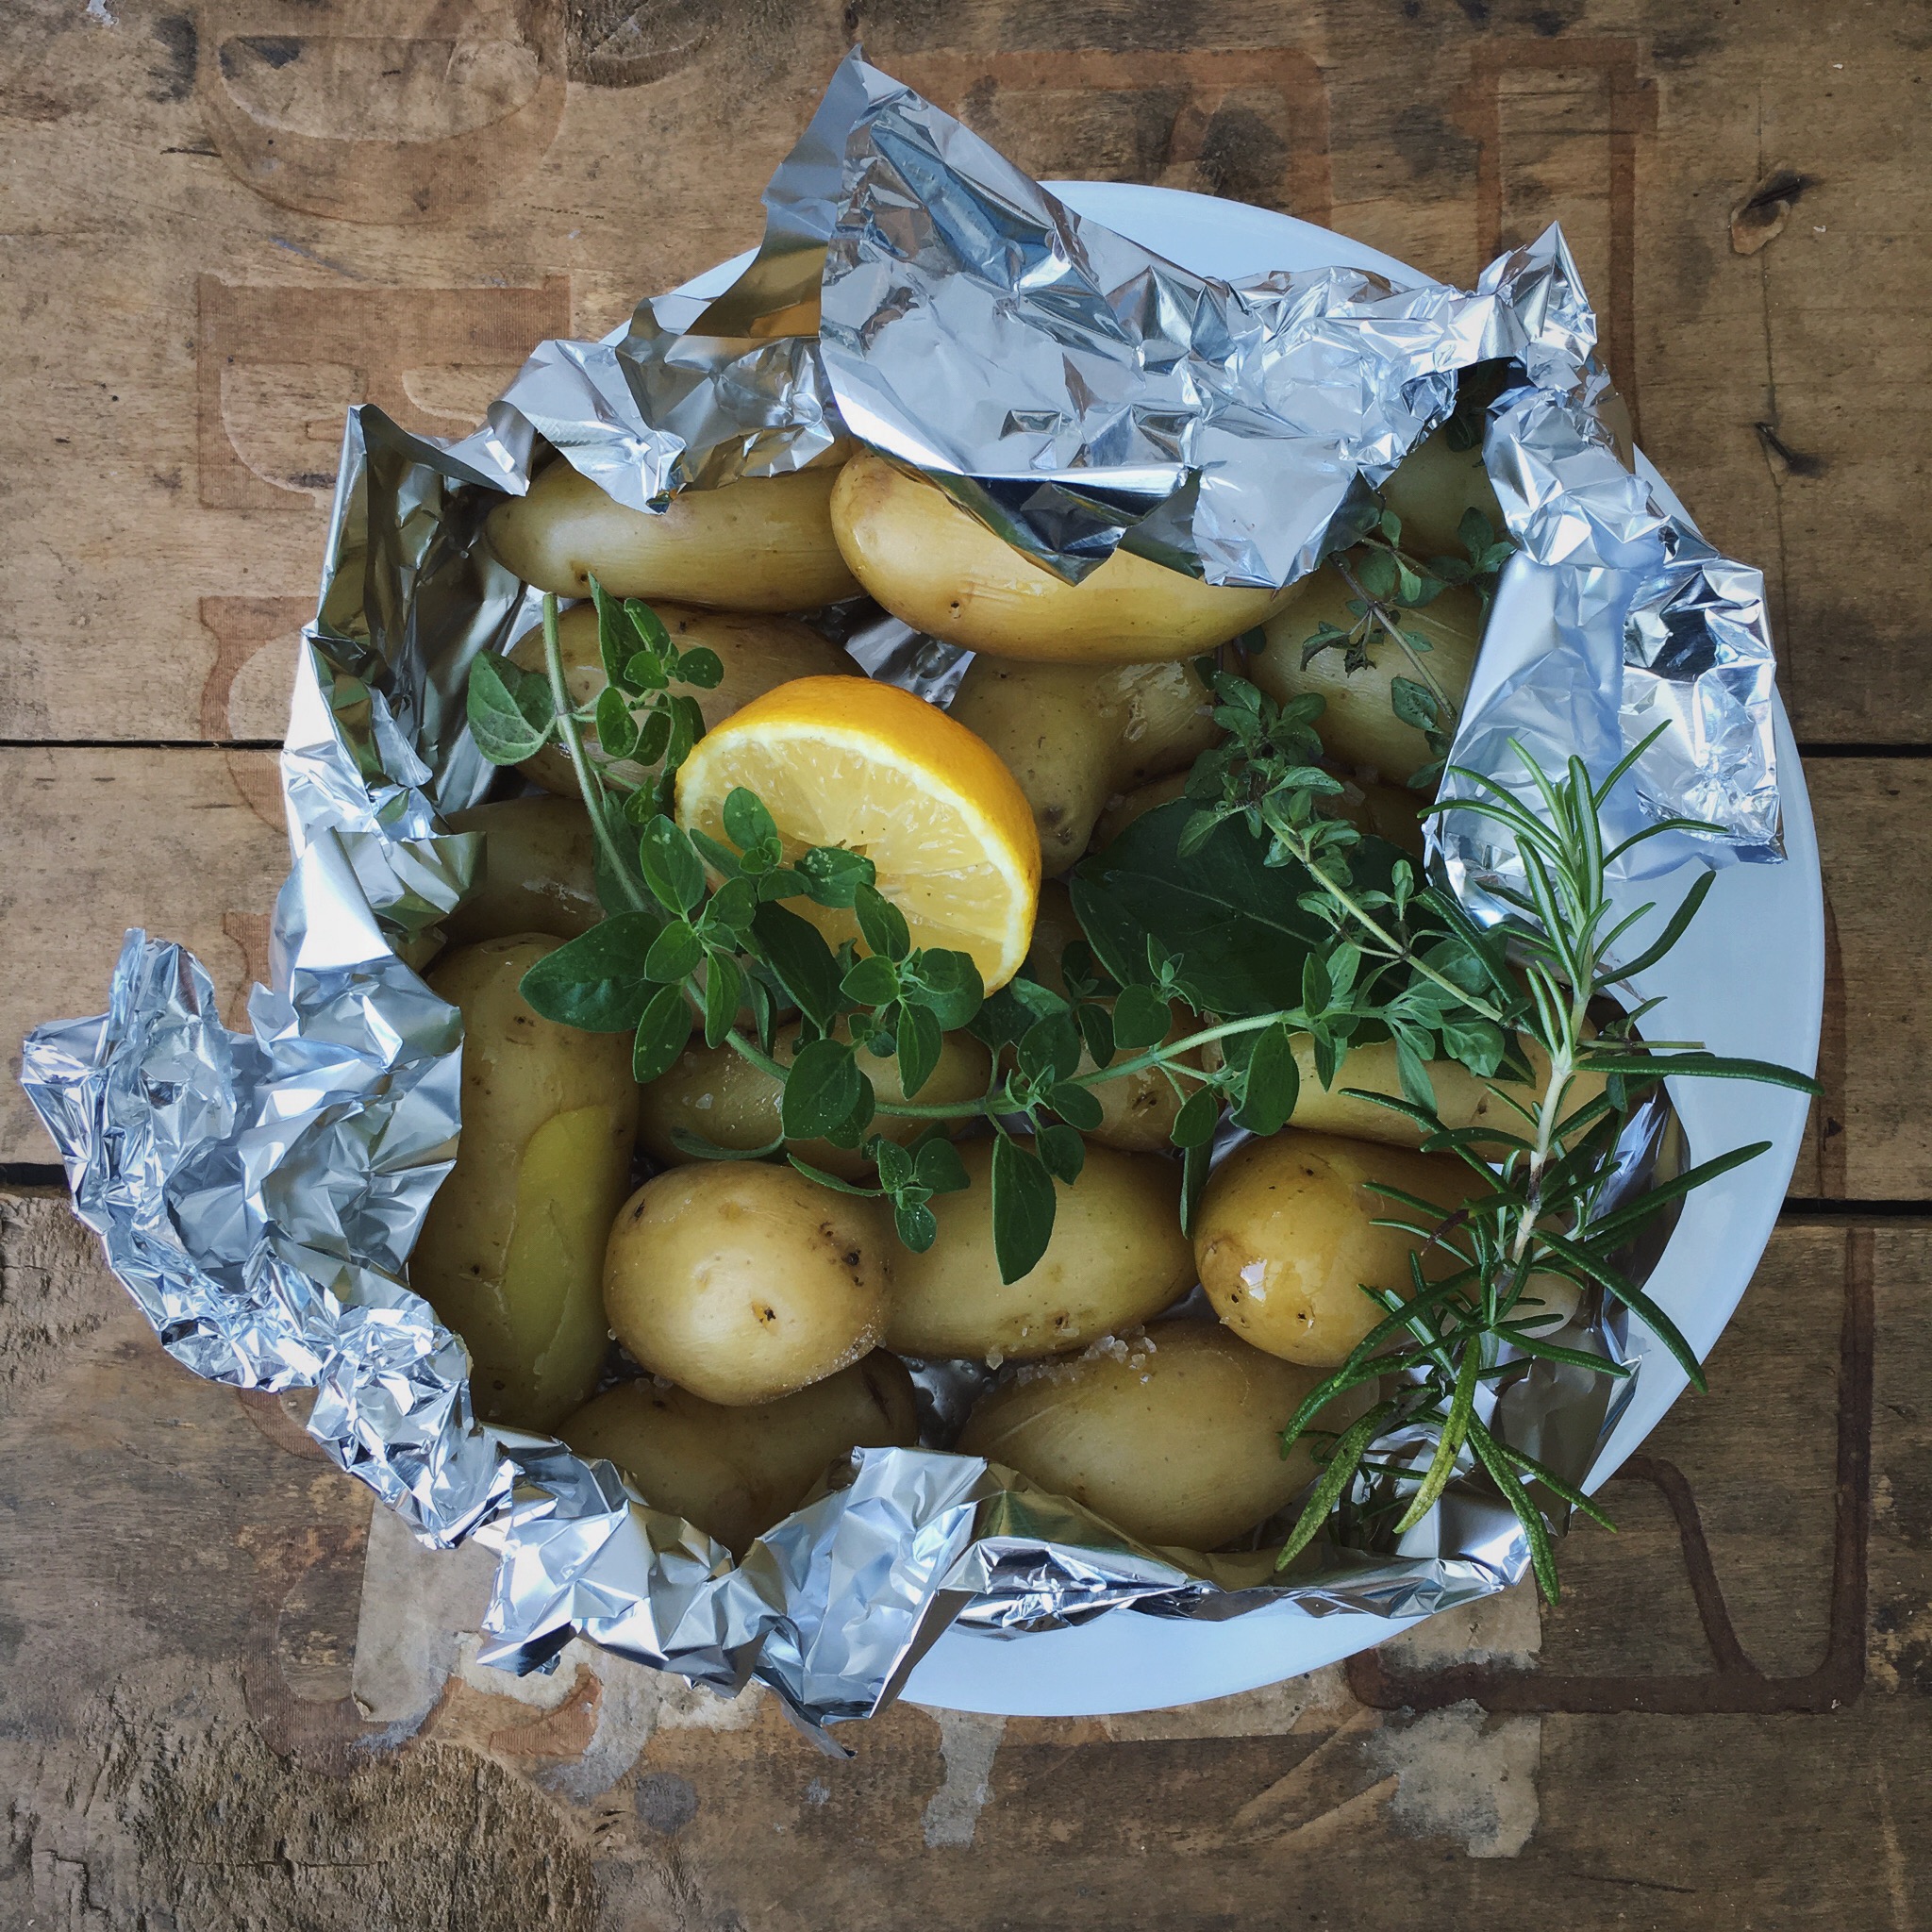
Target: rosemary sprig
pixel 1537 1207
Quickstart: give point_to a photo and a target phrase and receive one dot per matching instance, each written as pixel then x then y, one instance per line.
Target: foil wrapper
pixel 259 1191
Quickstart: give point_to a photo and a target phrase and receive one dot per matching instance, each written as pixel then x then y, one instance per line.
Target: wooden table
pixel 224 226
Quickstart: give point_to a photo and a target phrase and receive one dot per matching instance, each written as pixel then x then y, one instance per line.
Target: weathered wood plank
pixel 211 249
pixel 1448 134
pixel 216 1575
pixel 282 256
pixel 220 227
pixel 1878 879
pixel 188 845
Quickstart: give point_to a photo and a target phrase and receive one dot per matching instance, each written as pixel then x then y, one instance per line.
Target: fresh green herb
pixel 1472 1317
pixel 1227 934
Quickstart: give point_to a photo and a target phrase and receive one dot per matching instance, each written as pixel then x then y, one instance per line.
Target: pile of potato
pixel 770 1313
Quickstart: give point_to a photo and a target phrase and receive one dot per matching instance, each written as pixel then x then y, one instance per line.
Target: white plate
pixel 1747 979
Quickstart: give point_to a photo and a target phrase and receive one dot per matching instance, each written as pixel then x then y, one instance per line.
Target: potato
pixel 511 1250
pixel 1284 1238
pixel 717 1093
pixel 1117 1256
pixel 1549 1300
pixel 757 653
pixel 1138 1111
pixel 765 544
pixel 537 874
pixel 1462 1099
pixel 1358 724
pixel 1388 811
pixel 1073 736
pixel 1175 1436
pixel 945 572
pixel 742 1282
pixel 736 1472
pixel 1431 490
pixel 1125 806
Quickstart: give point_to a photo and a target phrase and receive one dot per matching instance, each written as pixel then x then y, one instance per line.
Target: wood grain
pixel 197 1753
pixel 221 226
pixel 215 242
pixel 1877 862
pixel 275 283
pixel 188 845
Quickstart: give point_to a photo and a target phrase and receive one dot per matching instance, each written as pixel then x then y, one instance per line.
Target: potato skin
pixel 1357 725
pixel 511 1250
pixel 763 544
pixel 1462 1099
pixel 1136 1110
pixel 1432 488
pixel 757 653
pixel 945 572
pixel 716 1093
pixel 1073 737
pixel 1117 1256
pixel 742 1282
pixel 1125 806
pixel 1284 1238
pixel 1388 811
pixel 736 1472
pixel 1175 1437
pixel 538 871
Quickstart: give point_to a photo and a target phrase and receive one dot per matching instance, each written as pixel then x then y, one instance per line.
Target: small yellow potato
pixel 1138 1111
pixel 764 544
pixel 1463 1098
pixel 757 653
pixel 1358 724
pixel 1173 1436
pixel 736 1472
pixel 941 571
pixel 1125 806
pixel 1388 811
pixel 1073 736
pixel 1284 1238
pixel 1432 489
pixel 537 874
pixel 512 1252
pixel 742 1282
pixel 1117 1257
pixel 717 1093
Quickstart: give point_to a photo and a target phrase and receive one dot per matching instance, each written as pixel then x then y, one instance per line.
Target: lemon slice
pixel 844 762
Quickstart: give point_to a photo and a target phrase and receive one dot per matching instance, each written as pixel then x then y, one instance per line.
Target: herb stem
pixel 588 783
pixel 1398 948
pixel 988 1105
pixel 749 1050
pixel 1380 616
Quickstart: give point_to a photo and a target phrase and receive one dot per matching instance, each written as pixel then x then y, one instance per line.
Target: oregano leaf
pixel 663 1030
pixel 1274 1082
pixel 498 723
pixel 670 865
pixel 822 1089
pixel 1022 1208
